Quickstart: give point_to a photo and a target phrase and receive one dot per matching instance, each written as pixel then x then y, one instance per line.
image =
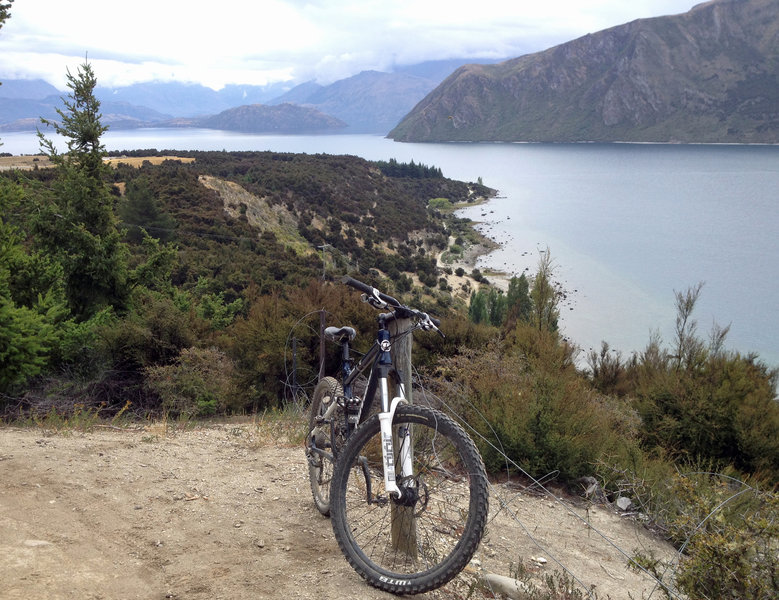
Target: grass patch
pixel 137 161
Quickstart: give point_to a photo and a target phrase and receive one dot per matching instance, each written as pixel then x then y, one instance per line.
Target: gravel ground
pixel 225 511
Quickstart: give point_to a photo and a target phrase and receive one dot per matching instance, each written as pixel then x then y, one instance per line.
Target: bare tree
pixel 689 350
pixel 544 295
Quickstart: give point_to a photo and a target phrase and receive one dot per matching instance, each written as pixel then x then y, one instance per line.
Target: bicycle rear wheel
pixel 418 543
pixel 325 438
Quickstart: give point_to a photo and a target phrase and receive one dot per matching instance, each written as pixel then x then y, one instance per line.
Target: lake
pixel 627 224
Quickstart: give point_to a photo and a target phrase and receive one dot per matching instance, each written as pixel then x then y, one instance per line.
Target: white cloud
pixel 234 41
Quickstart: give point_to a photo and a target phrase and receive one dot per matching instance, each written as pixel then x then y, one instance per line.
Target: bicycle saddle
pixel 340 334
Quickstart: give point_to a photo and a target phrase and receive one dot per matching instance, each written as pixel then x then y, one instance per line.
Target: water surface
pixel 627 224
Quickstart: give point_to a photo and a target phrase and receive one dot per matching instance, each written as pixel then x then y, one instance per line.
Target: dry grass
pixel 137 161
pixel 40 161
pixel 26 162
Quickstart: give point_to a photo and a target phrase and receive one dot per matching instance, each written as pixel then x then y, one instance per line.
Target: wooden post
pixel 404 530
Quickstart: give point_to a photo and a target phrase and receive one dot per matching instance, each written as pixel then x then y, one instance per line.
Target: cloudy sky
pixel 216 42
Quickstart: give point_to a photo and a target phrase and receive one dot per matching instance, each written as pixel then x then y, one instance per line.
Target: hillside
pixel 709 75
pixel 370 101
pixel 260 118
pixel 287 205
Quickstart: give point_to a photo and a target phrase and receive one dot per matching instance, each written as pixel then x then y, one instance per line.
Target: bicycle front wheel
pixel 418 542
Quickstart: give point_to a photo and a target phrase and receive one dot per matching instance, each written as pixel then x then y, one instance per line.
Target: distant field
pixel 137 161
pixel 24 162
pixel 42 162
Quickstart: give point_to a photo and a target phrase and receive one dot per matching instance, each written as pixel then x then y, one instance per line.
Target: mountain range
pixel 369 102
pixel 708 75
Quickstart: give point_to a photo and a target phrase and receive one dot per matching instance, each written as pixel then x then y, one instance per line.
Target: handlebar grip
pixel 358 285
pixel 371 291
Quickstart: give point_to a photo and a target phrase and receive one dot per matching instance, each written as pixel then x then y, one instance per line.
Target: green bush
pixel 257 344
pixel 154 332
pixel 199 383
pixel 727 533
pixel 27 338
pixel 733 549
pixel 439 204
pixel 697 402
pixel 543 420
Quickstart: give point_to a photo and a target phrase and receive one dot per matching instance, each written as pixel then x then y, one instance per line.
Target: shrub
pixel 735 554
pixel 27 338
pixel 199 383
pixel 257 343
pixel 726 532
pixel 439 204
pixel 723 411
pixel 696 401
pixel 154 332
pixel 543 420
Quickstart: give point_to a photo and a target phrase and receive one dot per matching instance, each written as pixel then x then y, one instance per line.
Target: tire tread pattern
pixel 479 498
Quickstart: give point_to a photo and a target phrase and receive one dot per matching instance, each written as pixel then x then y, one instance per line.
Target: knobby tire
pixel 449 512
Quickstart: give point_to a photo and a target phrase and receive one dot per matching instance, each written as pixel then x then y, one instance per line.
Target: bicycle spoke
pixel 444 514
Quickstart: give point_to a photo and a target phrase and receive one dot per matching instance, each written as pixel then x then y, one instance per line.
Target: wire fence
pixel 507 497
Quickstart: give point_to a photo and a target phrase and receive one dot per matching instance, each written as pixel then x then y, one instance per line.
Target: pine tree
pixel 31 299
pixel 78 224
pixel 477 309
pixel 496 307
pixel 520 307
pixel 140 211
pixel 5 7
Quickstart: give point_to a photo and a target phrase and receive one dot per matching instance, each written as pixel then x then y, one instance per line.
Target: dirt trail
pixel 224 511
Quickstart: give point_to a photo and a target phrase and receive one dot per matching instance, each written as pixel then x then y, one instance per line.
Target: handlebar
pixel 371 291
pixel 380 300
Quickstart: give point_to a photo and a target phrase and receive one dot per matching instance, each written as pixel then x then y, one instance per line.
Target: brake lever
pixel 426 324
pixel 374 300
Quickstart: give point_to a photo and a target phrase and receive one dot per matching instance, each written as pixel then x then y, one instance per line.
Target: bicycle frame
pixel 379 360
pixel 411 519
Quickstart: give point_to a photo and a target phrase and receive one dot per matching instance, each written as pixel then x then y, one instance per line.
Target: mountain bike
pixel 406 488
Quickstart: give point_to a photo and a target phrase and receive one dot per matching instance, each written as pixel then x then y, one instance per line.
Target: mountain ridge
pixel 708 75
pixel 280 118
pixel 369 102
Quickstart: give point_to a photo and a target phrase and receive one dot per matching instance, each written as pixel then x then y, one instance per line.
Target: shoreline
pixel 485 246
pixel 499 279
pixel 470 257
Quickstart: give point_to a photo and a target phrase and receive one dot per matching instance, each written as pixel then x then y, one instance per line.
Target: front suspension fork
pixel 387 446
